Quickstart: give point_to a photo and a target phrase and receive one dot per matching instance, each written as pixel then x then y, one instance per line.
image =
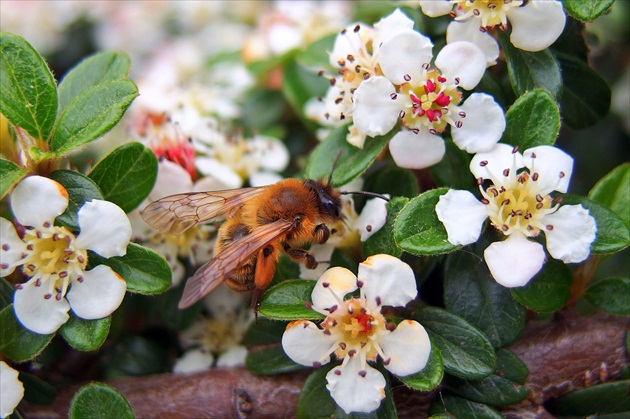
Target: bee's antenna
pixel 372 194
pixel 333 167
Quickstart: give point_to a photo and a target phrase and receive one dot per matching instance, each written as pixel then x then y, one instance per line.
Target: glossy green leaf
pixel 587 11
pixel 299 85
pixel 452 170
pixel 613 192
pixel 315 400
pixel 510 367
pixel 598 400
pixel 394 181
pixel 126 175
pixel 16 342
pixel 85 335
pixel 612 233
pixel 465 350
pixel 98 400
pixel 145 271
pixel 80 189
pixel 533 120
pixel 492 390
pixel 28 93
pixel 91 114
pixel 548 291
pixel 456 407
pixel 96 69
pixel 6 294
pixel 10 175
pixel 417 229
pixel 611 295
pixel 352 162
pixel 288 301
pixel 430 376
pixel 37 390
pixel 383 240
pixel 264 332
pixel 270 360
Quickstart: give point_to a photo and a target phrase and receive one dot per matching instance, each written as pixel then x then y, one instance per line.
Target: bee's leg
pixel 321 233
pixel 266 262
pixel 301 255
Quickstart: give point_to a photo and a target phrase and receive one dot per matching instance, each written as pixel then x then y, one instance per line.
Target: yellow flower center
pixel 491 12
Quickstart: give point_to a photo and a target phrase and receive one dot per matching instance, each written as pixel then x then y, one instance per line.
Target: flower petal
pixel 491 164
pixel 515 260
pixel 269 152
pixel 391 25
pixel 36 200
pixel 416 151
pixel 468 30
pixel 321 252
pixel 372 218
pixel 403 55
pixel 11 389
pixel 171 179
pixel 356 390
pixel 387 279
pixel 350 42
pixel 536 25
pixel 483 125
pixel 407 348
pixel 105 238
pixel 307 344
pixel 462 215
pixel 572 234
pixel 332 286
pixel 194 360
pixel 12 247
pixel 100 293
pixel 37 313
pixel 212 168
pixel 264 178
pixel 233 357
pixel 433 8
pixel 463 60
pixel 553 166
pixel 375 112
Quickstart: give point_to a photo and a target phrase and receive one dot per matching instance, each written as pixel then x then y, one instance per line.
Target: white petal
pixel 354 137
pixel 573 232
pixel 391 25
pixel 483 125
pixel 100 293
pixel 463 60
pixel 11 389
pixel 468 30
pixel 536 25
pixel 515 260
pixel 36 313
pixel 416 151
pixel 349 42
pixel 193 360
pixel 332 286
pixel 233 357
pixel 372 218
pixel 36 200
pixel 553 166
pixel 12 247
pixel 307 344
pixel 355 392
pixel 264 178
pixel 407 348
pixel 104 227
pixel 171 179
pixel 375 112
pixel 491 164
pixel 403 55
pixel 435 8
pixel 220 171
pixel 321 252
pixel 269 152
pixel 388 279
pixel 462 215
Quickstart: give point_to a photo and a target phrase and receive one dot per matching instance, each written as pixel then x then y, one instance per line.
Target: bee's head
pixel 328 198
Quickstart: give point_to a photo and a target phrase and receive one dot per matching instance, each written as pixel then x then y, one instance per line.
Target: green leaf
pixel 352 162
pixel 587 11
pixel 10 174
pixel 456 407
pixel 510 367
pixel 548 291
pixel 492 390
pixel 612 233
pixel 531 70
pixel 449 171
pixel 91 114
pixel 598 400
pixel 92 71
pixel 145 271
pixel 264 332
pixel 37 390
pixel 27 87
pixel 6 294
pixel 16 342
pixel 383 240
pixel 393 180
pixel 533 120
pixel 611 295
pixel 85 335
pixel 613 192
pixel 315 400
pixel 471 293
pixel 466 352
pixel 80 189
pixel 98 400
pixel 316 54
pixel 270 360
pixel 300 84
pixel 417 229
pixel 430 376
pixel 288 300
pixel 126 175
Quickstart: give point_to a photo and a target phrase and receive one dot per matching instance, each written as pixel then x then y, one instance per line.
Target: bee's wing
pixel 175 214
pixel 213 273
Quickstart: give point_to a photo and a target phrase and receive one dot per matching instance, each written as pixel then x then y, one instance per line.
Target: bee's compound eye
pixel 331 207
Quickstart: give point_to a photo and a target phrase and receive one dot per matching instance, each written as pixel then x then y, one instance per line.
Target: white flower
pixel 356 331
pixel 536 24
pixel 427 99
pixel 519 204
pixel 11 389
pixel 55 259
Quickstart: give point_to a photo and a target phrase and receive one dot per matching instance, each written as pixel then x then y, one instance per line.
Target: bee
pixel 260 223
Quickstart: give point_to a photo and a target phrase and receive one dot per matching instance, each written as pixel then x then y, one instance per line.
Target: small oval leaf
pixel 270 360
pixel 611 295
pixel 286 301
pixel 98 400
pixel 548 291
pixel 16 342
pixel 85 335
pixel 533 120
pixel 613 192
pixel 430 376
pixel 10 175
